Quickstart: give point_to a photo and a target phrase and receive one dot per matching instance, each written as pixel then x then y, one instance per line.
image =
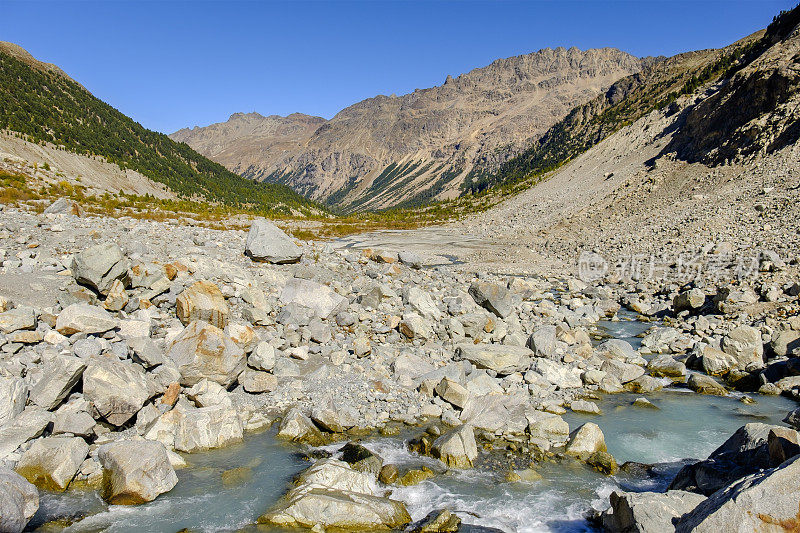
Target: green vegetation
pixel 47 108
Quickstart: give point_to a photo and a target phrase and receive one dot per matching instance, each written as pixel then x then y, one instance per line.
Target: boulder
pixel 421 302
pixel 190 429
pixel 492 297
pixel 256 381
pixel 586 440
pixel 296 426
pixel 135 472
pixel 60 373
pixel 330 494
pixel 202 351
pixel 442 521
pixel 361 459
pixel 666 366
pixel 321 299
pixel 267 243
pixel 706 385
pixel 52 462
pixel 744 344
pixel 500 414
pixel 63 206
pixel 785 342
pixel 783 444
pixel 414 326
pixel 202 301
pixel 648 512
pixel 117 298
pixel 28 425
pixel 13 396
pixel 716 362
pixel 624 372
pixel 689 300
pixel 117 389
pixel 21 318
pixel 84 318
pixel 99 266
pixel 547 427
pixel 543 342
pixel 457 447
pixel 452 392
pixel 19 501
pixel 729 300
pixel 563 376
pixel 766 501
pixel 620 350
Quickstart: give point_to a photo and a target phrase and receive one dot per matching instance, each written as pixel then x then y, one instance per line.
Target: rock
pixel 706 385
pixel 586 440
pixel 117 389
pixel 644 385
pixel 729 300
pixel 620 350
pixel 421 302
pixel 716 362
pixel 388 474
pixel 492 297
pixel 28 425
pixel 203 351
pixel 146 352
pixel 202 301
pixel 323 300
pixel 267 243
pixel 603 462
pixel 438 522
pixel 414 326
pixel 564 377
pixel 782 444
pixel 744 344
pixel 21 318
pixel 361 459
pixel 135 472
pixel 647 512
pixel 793 418
pixel 457 447
pixel 196 429
pixel 262 357
pixel 666 366
pixel 785 342
pixel 452 392
pixel 60 374
pixel 690 300
pixel 99 266
pixel 415 476
pixel 19 501
pixel 330 494
pixel 52 462
pixel 410 259
pixel 624 372
pixel 548 427
pixel 583 406
pixel 744 453
pixel 78 423
pixel 256 382
pixel 13 396
pixel 84 318
pixel 297 427
pixel 767 501
pixel 117 298
pixel 63 206
pixel 543 342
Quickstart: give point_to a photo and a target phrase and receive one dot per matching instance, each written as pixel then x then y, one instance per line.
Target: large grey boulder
pixel 28 425
pixel 202 351
pixel 498 357
pixel 560 375
pixel 60 373
pixel 190 429
pixel 330 494
pixel 621 370
pixel 492 297
pixel 547 428
pixel 744 453
pixel 99 266
pixel 52 462
pixel 648 512
pixel 421 302
pixel 84 318
pixel 135 472
pixel 543 342
pixel 296 426
pixel 323 300
pixel 267 243
pixel 744 344
pixel 13 395
pixel 457 447
pixel 689 300
pixel 500 414
pixel 766 501
pixel 21 318
pixel 117 389
pixel 19 501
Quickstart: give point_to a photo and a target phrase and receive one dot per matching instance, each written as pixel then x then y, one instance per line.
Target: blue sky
pixel 181 63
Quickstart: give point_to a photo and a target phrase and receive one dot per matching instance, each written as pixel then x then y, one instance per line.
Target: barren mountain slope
pixel 648 190
pixel 387 149
pixel 246 140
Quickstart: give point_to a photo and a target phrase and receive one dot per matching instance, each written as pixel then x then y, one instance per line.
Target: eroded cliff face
pixel 388 150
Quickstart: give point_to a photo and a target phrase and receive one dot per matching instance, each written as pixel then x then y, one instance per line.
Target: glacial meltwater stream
pixel 685 426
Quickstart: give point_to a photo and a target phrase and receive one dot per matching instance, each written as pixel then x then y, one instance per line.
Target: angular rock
pixel 117 389
pixel 666 366
pixel 457 447
pixel 256 382
pixel 323 300
pixel 648 512
pixel 135 472
pixel 452 392
pixel 52 462
pixel 21 318
pixel 267 243
pixel 203 351
pixel 543 342
pixel 13 396
pixel 202 301
pixel 84 318
pixel 744 344
pixel 706 385
pixel 502 359
pixel 99 266
pixel 492 297
pixel 60 374
pixel 586 440
pixel 19 501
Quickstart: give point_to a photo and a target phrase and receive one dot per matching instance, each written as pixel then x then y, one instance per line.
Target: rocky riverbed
pixel 130 348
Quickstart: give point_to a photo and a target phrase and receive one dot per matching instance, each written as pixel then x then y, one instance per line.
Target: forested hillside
pixel 46 106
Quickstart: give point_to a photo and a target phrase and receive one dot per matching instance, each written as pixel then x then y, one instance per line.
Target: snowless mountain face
pixel 390 150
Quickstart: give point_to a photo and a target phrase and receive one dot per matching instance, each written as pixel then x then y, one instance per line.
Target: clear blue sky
pixel 176 64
